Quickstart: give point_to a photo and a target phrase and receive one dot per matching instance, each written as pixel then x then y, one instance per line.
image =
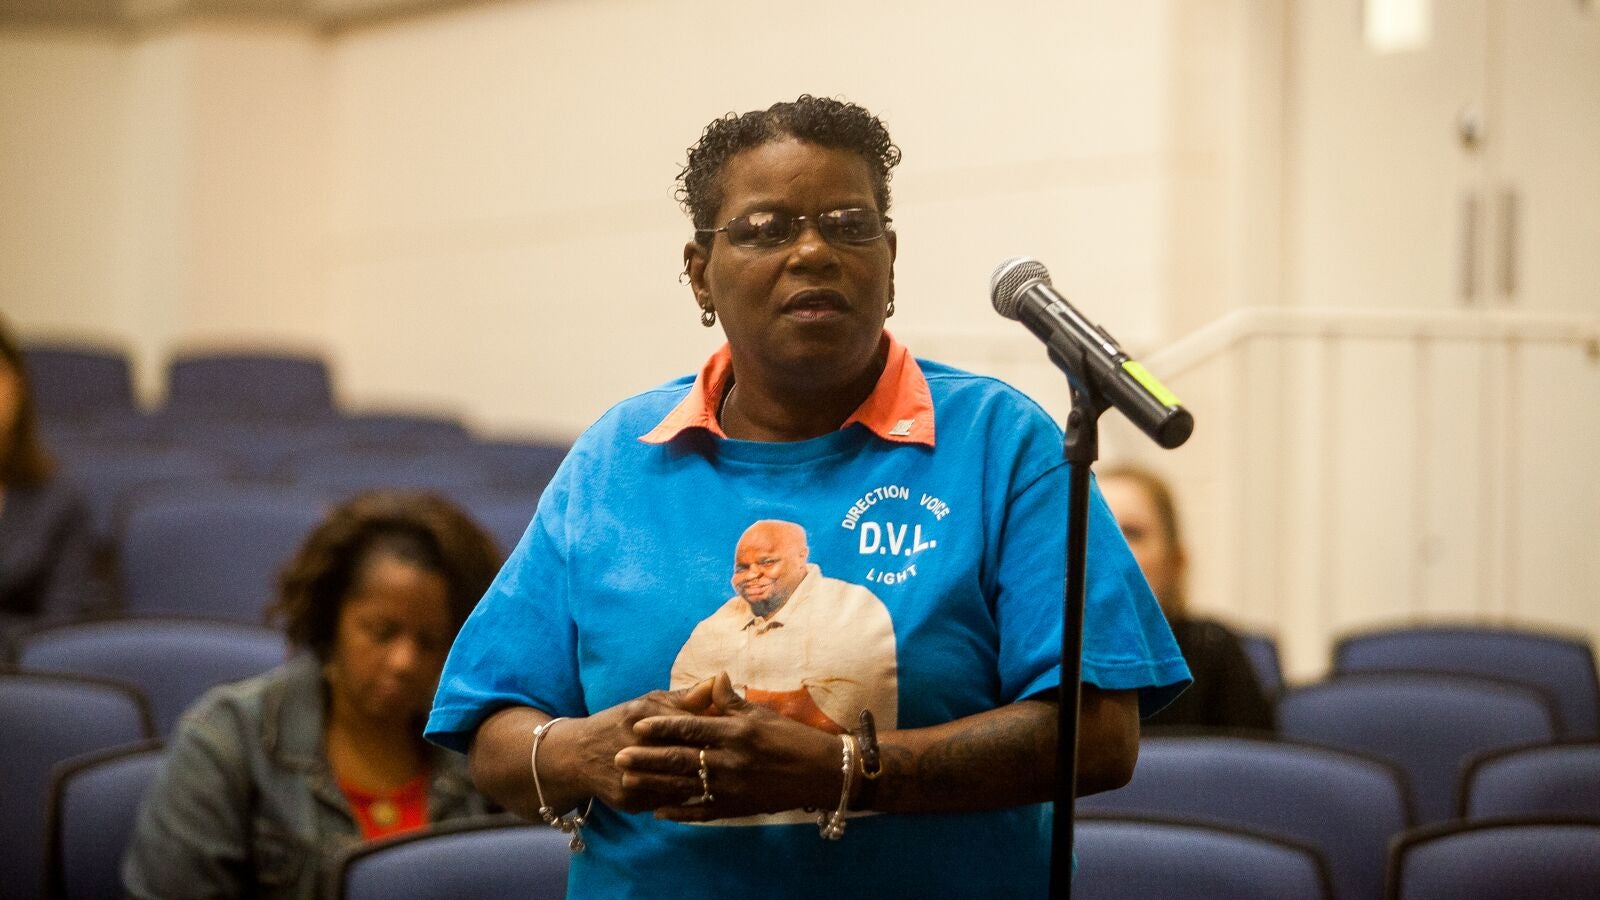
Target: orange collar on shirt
pixel 899 409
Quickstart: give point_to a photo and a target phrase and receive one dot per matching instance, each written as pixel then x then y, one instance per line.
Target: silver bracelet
pixel 565 824
pixel 831 825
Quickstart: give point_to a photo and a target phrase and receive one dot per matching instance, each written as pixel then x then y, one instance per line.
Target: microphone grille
pixel 1011 278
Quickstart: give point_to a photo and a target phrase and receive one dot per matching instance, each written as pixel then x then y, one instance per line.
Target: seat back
pixel 480 859
pixel 520 465
pixel 214 553
pixel 173 661
pixel 48 719
pixel 399 429
pixel 1562 666
pixel 112 474
pixel 504 514
pixel 249 385
pixel 1497 860
pixel 1428 725
pixel 74 382
pixel 1544 780
pixel 1262 651
pixel 94 802
pixel 343 471
pixel 255 448
pixel 1162 860
pixel 1344 805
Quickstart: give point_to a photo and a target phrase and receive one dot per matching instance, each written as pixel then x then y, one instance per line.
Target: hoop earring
pixel 708 316
pixel 889 312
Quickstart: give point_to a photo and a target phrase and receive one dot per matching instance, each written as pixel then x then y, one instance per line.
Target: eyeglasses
pixel 769 229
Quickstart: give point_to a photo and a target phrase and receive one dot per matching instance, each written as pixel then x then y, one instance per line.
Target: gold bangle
pixel 571 824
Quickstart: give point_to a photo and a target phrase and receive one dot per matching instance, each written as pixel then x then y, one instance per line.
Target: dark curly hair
pixel 23 459
pixel 826 122
pixel 422 529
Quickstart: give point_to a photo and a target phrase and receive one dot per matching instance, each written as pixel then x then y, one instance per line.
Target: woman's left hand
pixel 758 761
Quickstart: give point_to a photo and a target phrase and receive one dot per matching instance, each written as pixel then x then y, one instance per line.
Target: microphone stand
pixel 1080 449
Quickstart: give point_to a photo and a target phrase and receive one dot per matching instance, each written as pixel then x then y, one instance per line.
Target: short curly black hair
pixel 824 121
pixel 422 529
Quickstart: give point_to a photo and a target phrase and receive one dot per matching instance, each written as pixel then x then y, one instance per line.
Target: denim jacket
pixel 246 804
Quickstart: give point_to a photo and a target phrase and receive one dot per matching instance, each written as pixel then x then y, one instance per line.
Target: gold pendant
pixel 383 813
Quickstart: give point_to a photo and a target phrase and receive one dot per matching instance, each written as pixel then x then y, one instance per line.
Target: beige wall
pixel 62 164
pixel 505 179
pixel 456 205
pixel 472 211
pixel 165 189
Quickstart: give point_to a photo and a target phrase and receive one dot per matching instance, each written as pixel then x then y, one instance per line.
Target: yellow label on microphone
pixel 1156 388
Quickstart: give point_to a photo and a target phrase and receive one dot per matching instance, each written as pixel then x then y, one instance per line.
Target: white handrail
pixel 1210 340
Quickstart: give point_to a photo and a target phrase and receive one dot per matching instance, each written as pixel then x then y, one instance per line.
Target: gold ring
pixel 705 784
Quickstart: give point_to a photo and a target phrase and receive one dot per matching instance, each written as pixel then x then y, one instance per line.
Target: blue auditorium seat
pixel 48 719
pixel 1562 666
pixel 1497 860
pixel 1561 779
pixel 249 384
pixel 213 552
pixel 483 859
pixel 1346 806
pixel 94 802
pixel 173 661
pixel 76 382
pixel 1150 859
pixel 1429 725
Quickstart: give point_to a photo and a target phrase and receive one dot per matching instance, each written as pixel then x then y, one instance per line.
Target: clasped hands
pixel 645 754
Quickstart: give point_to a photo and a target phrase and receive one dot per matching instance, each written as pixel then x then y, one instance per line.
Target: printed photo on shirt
pixel 813 648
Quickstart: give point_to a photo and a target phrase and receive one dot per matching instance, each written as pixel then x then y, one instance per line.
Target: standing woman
pixel 1226 693
pixel 935 495
pixel 267 780
pixel 46 541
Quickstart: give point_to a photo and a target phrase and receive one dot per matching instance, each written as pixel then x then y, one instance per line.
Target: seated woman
pixel 268 779
pixel 1225 693
pixel 46 542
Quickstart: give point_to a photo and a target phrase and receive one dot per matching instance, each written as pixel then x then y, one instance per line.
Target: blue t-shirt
pixel 963 544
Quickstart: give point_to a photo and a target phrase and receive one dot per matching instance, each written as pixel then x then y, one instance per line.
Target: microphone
pixel 1087 353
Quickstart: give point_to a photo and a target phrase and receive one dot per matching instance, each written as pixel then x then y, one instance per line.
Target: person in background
pixel 268 779
pixel 937 490
pixel 47 550
pixel 1226 692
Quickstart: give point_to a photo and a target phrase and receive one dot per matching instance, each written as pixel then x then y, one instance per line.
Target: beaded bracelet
pixel 572 824
pixel 831 825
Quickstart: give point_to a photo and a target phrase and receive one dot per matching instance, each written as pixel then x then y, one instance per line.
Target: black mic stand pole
pixel 1080 449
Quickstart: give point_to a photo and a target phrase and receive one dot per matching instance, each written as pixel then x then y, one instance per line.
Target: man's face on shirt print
pixel 769 564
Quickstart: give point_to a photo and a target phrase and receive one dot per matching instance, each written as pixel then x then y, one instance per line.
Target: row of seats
pixel 248 454
pixel 332 457
pixel 1422 734
pixel 1347 806
pixel 1510 859
pixel 1561 669
pixel 337 455
pixel 169 661
pixel 78 381
pixel 1512 851
pixel 1426 724
pixel 95 798
pixel 215 550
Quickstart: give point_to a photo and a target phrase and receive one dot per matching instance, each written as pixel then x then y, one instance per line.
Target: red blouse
pixel 406 809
